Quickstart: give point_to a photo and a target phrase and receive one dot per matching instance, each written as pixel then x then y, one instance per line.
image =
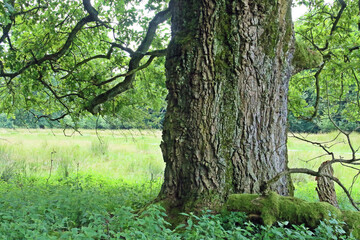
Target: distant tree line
pixel 321 124
pixel 154 120
pixel 25 119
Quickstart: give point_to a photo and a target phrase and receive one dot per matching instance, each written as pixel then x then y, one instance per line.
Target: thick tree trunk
pixel 228 67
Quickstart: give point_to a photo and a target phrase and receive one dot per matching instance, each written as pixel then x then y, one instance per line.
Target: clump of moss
pixel 243 203
pixel 273 208
pixel 352 220
pixel 305 58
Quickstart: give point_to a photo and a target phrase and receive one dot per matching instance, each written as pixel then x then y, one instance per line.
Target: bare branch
pixel 321 145
pixel 45 84
pixel 38 117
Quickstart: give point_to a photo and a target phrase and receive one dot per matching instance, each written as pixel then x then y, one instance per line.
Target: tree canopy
pixel 61 58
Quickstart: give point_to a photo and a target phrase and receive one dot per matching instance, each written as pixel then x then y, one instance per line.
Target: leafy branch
pixel 91 17
pixel 93 105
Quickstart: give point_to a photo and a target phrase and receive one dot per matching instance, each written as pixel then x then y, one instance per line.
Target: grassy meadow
pixel 130 155
pixel 87 185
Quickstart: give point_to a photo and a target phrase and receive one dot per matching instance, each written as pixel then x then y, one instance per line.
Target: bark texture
pixel 228 67
pixel 325 186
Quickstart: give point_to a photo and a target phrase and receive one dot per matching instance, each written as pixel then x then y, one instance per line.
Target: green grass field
pixel 85 186
pixel 134 155
pixel 129 155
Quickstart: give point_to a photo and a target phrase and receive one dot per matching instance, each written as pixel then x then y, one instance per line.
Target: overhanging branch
pixel 91 17
pixel 333 28
pixel 93 105
pixel 128 73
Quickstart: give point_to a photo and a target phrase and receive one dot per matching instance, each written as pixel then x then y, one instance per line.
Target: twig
pixel 51 166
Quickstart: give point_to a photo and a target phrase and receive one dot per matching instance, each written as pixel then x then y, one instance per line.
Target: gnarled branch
pixel 93 105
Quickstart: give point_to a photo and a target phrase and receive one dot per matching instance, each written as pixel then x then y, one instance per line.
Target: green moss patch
pixel 274 208
pixel 304 58
pixel 352 220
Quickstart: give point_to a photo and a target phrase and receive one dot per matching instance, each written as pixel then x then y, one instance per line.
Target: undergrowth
pixel 91 207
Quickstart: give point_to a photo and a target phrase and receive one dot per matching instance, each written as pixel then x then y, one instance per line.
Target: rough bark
pixel 325 186
pixel 228 67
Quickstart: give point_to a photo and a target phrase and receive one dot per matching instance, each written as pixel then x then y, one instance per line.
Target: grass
pixel 126 154
pixel 134 156
pixel 86 187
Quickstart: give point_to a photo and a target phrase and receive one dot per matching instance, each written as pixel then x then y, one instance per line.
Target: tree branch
pixel 333 28
pixel 107 56
pixel 128 73
pixel 89 18
pixel 359 15
pixel 93 105
pixel 317 84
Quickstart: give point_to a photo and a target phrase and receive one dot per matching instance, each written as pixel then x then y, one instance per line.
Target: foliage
pixel 59 57
pixel 329 94
pixel 85 207
pixel 81 207
pixel 65 84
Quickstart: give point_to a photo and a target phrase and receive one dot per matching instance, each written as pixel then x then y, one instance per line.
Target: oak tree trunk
pixel 228 67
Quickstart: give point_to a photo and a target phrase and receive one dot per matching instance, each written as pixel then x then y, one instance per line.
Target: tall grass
pixel 125 154
pixel 134 156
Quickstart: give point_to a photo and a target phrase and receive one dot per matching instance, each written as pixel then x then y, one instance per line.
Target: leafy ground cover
pixel 56 187
pixel 89 207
